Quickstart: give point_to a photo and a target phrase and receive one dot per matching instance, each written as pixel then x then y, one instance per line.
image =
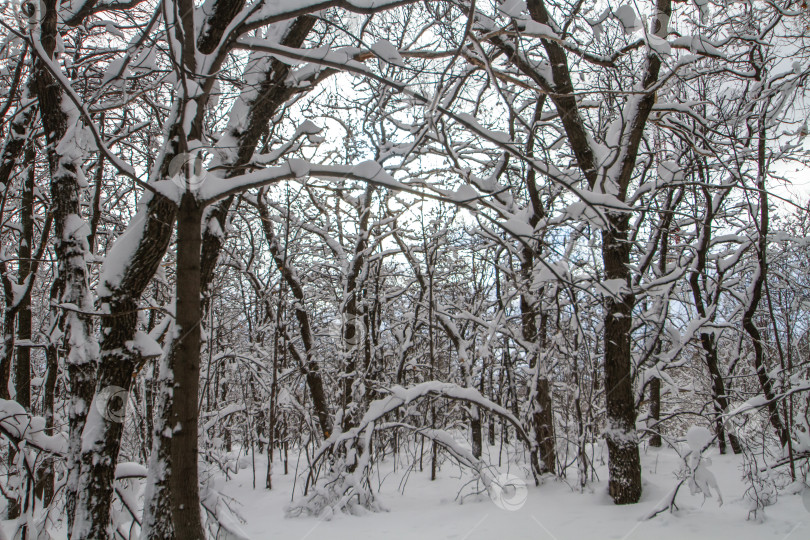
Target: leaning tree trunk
pixel 308 364
pixel 707 339
pixel 118 361
pixel 720 400
pixel 107 415
pixel 760 273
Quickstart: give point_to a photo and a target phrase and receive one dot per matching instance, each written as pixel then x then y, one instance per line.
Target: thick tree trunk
pixel 70 247
pixel 106 423
pixel 543 423
pixel 118 363
pixel 155 236
pixel 624 468
pixel 475 428
pixel 183 476
pixel 624 464
pixel 157 521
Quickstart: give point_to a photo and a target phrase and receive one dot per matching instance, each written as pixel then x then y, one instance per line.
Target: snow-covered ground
pixel 554 510
pixel 454 507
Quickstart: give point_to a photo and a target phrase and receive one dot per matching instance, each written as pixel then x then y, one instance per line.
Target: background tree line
pixel 359 230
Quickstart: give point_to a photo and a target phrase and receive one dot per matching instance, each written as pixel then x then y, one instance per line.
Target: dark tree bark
pixel 122 298
pixel 55 327
pixel 655 410
pixel 12 152
pixel 22 366
pixel 353 333
pixel 185 366
pixel 71 251
pixel 707 339
pixel 760 273
pixel 309 364
pixel 662 238
pixel 118 362
pixel 157 511
pixel 624 465
pixel 542 413
pixel 624 462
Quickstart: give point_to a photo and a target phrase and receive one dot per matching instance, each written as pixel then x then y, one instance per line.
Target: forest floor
pixel 554 510
pixel 454 506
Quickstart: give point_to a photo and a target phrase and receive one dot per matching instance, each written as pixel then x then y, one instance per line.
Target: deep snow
pixel 453 507
pixel 554 510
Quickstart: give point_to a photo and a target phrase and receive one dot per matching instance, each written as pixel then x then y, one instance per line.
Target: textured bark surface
pixel 352 314
pixel 624 464
pixel 71 248
pixel 47 481
pixel 272 94
pixel 117 364
pixel 542 414
pixel 157 516
pixel 541 411
pixel 185 365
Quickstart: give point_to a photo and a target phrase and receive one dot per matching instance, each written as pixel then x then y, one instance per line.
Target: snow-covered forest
pixel 437 269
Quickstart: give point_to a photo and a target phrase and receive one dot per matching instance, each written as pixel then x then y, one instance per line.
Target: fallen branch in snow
pixel 695 471
pixel 667 503
pixel 222 521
